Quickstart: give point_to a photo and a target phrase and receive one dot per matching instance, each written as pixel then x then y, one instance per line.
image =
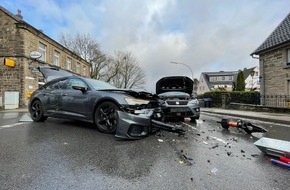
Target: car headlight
pixel 135 101
pixel 194 101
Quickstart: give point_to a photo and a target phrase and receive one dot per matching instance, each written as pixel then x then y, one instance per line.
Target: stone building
pixel 274 64
pixel 17 40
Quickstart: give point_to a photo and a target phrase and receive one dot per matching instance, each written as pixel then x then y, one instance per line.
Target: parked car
pixel 178 102
pixel 127 113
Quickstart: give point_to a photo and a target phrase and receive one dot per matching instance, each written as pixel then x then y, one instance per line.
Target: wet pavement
pixel 62 154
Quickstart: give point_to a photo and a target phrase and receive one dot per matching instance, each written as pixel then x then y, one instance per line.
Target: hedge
pixel 249 97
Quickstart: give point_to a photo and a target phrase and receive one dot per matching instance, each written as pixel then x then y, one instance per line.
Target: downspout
pixel 262 79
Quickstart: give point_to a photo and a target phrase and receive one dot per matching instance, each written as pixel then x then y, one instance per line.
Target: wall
pixel 11 44
pixel 17 40
pixel 276 74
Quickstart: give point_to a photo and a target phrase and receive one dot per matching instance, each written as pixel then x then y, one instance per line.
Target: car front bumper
pixel 173 111
pixel 137 126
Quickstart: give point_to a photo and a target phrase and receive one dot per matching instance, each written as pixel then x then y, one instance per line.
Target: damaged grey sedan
pixel 126 113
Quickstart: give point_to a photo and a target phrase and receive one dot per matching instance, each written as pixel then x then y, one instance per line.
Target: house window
pixel 78 68
pixel 56 58
pixel 230 78
pixel 42 51
pixel 288 57
pixel 223 77
pixel 84 71
pixel 68 64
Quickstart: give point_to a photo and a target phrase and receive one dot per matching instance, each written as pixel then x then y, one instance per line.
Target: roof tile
pixel 280 35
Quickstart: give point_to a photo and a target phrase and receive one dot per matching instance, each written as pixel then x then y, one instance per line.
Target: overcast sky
pixel 206 35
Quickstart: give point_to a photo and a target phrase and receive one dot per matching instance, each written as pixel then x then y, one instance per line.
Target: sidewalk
pixel 282 118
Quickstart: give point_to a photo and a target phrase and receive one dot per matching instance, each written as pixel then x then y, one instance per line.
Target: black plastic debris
pixel 229 153
pixel 241 125
pixel 255 155
pixel 242 151
pixel 187 158
pixel 215 146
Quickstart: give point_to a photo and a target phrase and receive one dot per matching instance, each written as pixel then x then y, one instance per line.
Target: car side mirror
pixel 81 88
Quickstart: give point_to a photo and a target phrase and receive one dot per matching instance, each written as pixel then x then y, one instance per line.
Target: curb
pixel 279 121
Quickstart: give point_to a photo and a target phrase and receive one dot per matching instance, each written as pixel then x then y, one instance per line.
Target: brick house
pixel 17 40
pixel 274 64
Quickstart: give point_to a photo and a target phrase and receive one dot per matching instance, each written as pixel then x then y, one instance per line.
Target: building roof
pixel 279 36
pixel 247 72
pixel 207 75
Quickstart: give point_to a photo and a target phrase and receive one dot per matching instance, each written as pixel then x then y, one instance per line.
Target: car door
pixel 53 97
pixel 75 103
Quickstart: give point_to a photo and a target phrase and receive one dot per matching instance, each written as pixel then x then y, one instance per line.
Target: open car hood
pixel 174 83
pixel 50 73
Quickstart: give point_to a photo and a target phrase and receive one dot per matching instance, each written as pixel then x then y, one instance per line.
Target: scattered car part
pixel 281 163
pixel 140 125
pixel 239 124
pixel 274 147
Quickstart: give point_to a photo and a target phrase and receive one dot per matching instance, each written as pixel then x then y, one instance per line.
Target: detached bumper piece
pixel 137 126
pixel 274 147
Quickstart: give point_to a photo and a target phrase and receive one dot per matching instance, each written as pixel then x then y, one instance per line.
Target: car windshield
pixel 170 94
pixel 98 85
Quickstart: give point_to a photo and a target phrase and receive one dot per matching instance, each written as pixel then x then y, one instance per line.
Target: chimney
pixel 19 15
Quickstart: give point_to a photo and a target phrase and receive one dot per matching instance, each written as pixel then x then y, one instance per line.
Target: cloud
pixel 207 35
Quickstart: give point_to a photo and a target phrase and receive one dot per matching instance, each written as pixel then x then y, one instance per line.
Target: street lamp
pixel 173 62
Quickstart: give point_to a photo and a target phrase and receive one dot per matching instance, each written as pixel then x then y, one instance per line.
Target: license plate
pixel 178 109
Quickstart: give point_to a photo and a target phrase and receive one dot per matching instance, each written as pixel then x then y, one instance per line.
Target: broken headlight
pixel 194 101
pixel 135 101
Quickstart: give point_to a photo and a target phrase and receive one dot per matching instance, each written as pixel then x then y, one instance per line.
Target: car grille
pixel 177 102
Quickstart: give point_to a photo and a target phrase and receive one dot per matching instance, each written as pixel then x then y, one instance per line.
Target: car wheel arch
pixel 100 101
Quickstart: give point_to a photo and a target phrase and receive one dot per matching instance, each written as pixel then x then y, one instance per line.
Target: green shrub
pixel 250 97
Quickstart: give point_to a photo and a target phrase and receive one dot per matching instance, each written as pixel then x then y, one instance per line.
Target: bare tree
pixel 88 48
pixel 126 73
pixel 123 70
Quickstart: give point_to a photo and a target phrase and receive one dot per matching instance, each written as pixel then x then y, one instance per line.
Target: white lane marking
pixel 11 125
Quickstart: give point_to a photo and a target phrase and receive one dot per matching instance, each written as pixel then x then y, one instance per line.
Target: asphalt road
pixel 62 154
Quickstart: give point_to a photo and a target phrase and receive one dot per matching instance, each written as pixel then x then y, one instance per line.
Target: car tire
pixel 36 111
pixel 106 117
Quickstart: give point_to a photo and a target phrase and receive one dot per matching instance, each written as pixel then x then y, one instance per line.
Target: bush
pixel 243 97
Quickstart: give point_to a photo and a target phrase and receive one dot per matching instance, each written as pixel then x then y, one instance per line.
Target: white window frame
pixel 288 57
pixel 84 70
pixel 78 67
pixel 68 63
pixel 42 49
pixel 56 56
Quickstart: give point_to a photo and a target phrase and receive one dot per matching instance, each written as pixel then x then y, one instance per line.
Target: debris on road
pixel 280 163
pixel 214 171
pixel 160 140
pixel 274 147
pixel 239 124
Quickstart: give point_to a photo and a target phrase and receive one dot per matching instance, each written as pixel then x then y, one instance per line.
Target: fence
pixel 281 101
